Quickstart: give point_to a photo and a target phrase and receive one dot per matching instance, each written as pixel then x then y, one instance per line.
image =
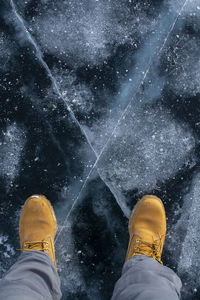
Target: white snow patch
pixel 12 142
pixel 87 31
pixel 190 219
pixel 77 95
pixel 5 248
pixel 148 148
pixel 184 64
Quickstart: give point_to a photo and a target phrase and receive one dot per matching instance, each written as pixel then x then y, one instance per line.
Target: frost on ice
pixel 12 142
pixel 187 236
pixel 148 148
pixel 7 251
pixel 87 32
pixel 182 62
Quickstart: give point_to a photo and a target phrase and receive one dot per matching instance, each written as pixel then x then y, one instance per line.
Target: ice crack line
pixel 118 122
pixel 172 27
pixel 55 85
pixel 39 56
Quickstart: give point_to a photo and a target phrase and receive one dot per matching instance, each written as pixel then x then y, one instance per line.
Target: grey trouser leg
pixel 32 277
pixel 143 278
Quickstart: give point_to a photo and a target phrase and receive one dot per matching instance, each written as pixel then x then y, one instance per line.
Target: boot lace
pixel 150 249
pixel 34 244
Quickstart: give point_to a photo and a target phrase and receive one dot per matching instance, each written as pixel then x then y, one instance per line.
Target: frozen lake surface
pixel 100 104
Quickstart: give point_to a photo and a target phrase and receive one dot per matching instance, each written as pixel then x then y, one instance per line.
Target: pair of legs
pixel 34 275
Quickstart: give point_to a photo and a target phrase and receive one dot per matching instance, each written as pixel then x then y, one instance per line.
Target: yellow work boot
pixel 147 228
pixel 37 227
